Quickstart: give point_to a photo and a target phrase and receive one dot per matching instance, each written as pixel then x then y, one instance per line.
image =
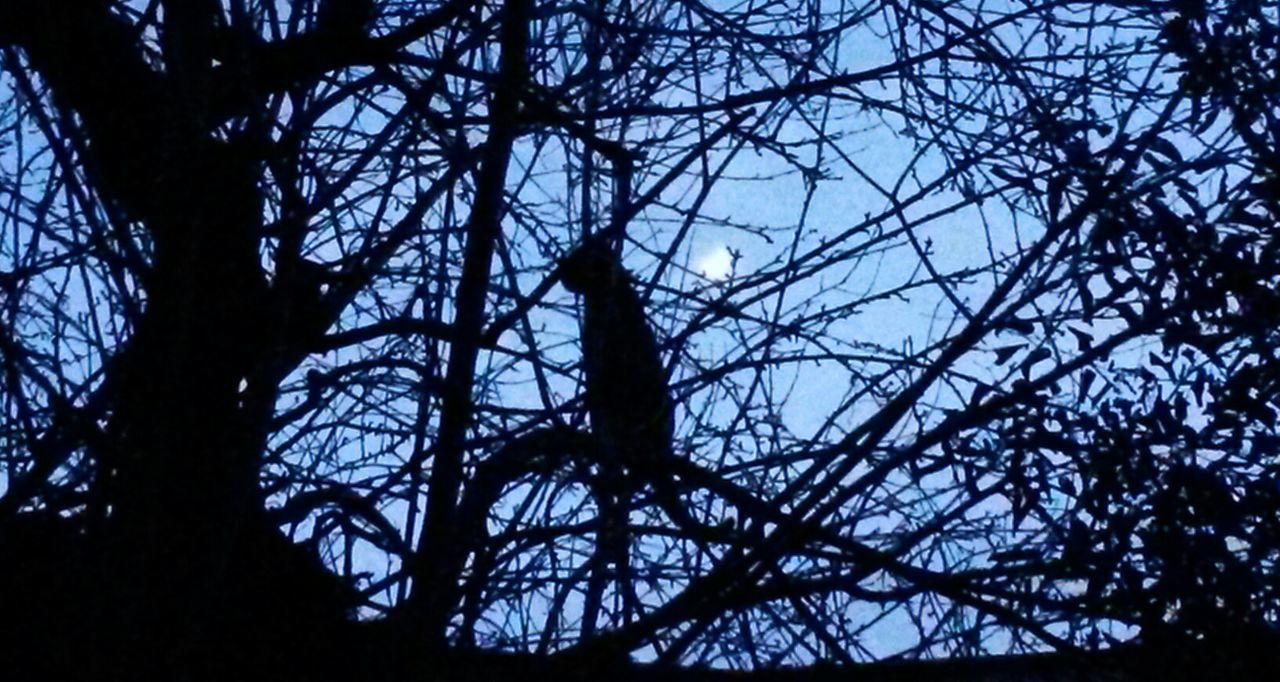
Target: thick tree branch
pixel 435 593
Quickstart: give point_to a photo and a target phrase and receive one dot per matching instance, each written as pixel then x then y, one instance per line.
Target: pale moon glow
pixel 716 263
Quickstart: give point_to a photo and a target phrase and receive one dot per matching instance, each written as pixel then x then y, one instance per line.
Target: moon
pixel 716 263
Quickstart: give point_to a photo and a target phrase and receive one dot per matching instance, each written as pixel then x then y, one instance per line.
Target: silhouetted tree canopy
pixel 468 340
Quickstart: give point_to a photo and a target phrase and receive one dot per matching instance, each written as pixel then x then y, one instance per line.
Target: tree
pixel 284 341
